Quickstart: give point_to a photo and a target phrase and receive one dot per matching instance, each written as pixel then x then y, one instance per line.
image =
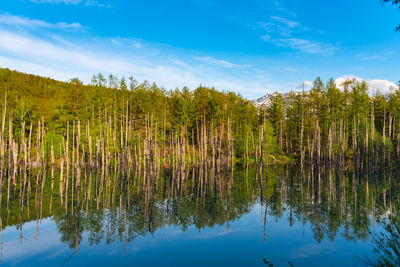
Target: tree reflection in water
pixel 387 243
pixel 122 209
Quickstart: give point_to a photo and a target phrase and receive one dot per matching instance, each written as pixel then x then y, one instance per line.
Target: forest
pixel 325 122
pixel 327 157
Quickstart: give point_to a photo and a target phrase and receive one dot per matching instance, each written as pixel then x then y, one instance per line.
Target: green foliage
pixel 32 98
pixel 106 101
pixel 387 243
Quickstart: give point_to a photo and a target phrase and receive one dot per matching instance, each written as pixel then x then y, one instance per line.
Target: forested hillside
pixel 32 98
pixel 29 98
pixel 324 123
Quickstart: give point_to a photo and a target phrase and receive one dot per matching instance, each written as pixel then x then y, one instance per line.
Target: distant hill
pixel 266 99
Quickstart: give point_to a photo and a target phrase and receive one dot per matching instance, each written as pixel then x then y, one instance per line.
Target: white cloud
pixel 73 25
pixel 289 23
pixel 290 69
pixel 306 85
pixel 21 21
pixel 375 85
pixel 61 57
pixel 305 45
pixel 276 28
pixel 96 4
pixel 266 37
pixel 7 19
pixel 35 68
pixel 72 2
pixel 57 56
pixel 383 55
pixel 134 43
pixel 373 58
pixel 34 51
pixel 219 62
pixel 67 2
pixel 64 59
pixel 283 32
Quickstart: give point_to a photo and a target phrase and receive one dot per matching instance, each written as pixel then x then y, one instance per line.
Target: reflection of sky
pixel 243 245
pixel 48 246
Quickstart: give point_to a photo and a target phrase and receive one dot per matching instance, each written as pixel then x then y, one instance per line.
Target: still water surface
pixel 222 224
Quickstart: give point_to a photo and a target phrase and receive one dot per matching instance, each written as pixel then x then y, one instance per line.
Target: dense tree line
pixel 31 99
pixel 335 122
pixel 327 107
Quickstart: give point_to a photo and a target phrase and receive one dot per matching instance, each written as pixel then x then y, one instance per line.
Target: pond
pixel 295 219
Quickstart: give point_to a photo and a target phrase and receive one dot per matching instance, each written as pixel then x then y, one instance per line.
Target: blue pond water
pixel 212 246
pixel 225 226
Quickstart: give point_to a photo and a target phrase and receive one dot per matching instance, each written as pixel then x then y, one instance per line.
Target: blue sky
pixel 252 47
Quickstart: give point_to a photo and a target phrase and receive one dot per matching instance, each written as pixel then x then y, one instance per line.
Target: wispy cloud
pixel 7 19
pixel 279 6
pixel 282 26
pixel 44 48
pixel 42 57
pixel 289 23
pixel 306 251
pixel 67 2
pixel 73 25
pixel 94 3
pixel 304 45
pixel 61 58
pixel 290 69
pixel 373 58
pixel 134 43
pixel 266 37
pixel 219 62
pixel 383 55
pixel 284 32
